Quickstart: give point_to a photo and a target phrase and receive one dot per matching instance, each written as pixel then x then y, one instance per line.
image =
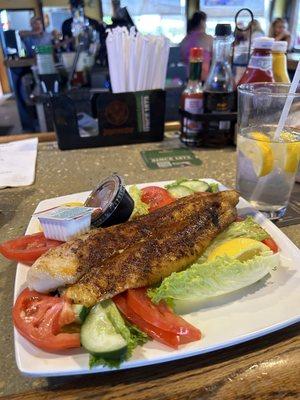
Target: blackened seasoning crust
pixel 172 238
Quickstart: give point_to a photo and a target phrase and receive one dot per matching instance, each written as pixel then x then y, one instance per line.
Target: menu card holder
pixel 114 119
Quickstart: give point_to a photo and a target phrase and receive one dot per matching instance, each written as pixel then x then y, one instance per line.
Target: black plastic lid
pixel 223 30
pixel 114 205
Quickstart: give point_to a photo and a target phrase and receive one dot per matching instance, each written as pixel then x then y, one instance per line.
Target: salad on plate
pixel 115 288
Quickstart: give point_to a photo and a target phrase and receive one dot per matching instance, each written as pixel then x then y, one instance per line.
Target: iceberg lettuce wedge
pixel 204 281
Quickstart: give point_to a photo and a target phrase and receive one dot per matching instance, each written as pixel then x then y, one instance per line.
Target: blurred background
pixel 159 17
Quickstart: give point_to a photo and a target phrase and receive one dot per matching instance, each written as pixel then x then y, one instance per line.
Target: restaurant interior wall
pixel 191 7
pixel 278 8
pixel 20 4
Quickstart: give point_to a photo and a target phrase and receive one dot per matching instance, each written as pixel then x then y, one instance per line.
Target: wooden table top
pixel 267 368
pixel 20 62
pixel 263 369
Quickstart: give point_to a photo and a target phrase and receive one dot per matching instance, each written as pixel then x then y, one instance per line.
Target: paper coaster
pixel 169 158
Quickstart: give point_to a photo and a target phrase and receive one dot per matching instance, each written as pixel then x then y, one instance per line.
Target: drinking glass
pixel 266 166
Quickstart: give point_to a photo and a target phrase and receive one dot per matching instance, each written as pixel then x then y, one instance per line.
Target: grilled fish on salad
pixel 151 259
pixel 100 248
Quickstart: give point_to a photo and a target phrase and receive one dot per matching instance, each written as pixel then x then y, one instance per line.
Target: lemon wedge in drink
pixel 260 136
pixel 260 152
pixel 242 249
pixel 292 157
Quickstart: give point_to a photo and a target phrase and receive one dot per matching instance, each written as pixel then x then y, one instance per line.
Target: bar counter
pixel 265 368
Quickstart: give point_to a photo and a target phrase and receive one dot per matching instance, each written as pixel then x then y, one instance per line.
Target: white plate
pixel 262 308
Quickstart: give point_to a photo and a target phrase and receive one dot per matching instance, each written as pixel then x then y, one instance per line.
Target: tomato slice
pixel 161 315
pixel 138 301
pixel 187 332
pixel 271 244
pixel 156 197
pixel 28 248
pixel 165 337
pixel 40 317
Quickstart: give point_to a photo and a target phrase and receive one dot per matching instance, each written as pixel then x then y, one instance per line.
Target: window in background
pixel 13 21
pixel 16 20
pixel 223 11
pixel 158 17
pixel 55 16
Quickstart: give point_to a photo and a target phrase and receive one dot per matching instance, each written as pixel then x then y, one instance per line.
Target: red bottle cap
pixel 196 53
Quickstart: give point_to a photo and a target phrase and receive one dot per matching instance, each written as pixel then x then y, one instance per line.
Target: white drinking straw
pixel 111 62
pixel 136 62
pixel 288 103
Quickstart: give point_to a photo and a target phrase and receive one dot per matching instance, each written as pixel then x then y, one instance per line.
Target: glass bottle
pixel 219 88
pixel 280 72
pixel 192 99
pixel 260 64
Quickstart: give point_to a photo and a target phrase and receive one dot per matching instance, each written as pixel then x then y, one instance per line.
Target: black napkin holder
pixel 123 118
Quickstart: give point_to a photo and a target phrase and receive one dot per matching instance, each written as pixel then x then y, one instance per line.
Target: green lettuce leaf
pixel 247 228
pixel 140 208
pixel 213 187
pixel 133 336
pixel 96 361
pixel 220 276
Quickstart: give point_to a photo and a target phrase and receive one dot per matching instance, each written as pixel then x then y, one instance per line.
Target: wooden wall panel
pixel 3 75
pixel 19 4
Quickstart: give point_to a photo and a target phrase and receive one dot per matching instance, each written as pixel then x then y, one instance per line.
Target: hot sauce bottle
pixel 260 64
pixel 192 99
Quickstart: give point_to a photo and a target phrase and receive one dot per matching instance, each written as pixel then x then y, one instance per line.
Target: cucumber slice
pixel 81 313
pixel 196 185
pixel 98 335
pixel 179 191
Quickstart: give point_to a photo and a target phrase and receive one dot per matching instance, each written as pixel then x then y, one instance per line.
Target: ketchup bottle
pixel 260 65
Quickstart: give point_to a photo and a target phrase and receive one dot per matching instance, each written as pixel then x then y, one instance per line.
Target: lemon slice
pixel 259 152
pixel 260 136
pixel 292 157
pixel 242 249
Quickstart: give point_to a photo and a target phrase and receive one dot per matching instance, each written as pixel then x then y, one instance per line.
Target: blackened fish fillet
pixel 68 262
pixel 147 261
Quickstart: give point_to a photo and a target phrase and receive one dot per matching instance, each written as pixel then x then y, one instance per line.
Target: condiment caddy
pixel 208 114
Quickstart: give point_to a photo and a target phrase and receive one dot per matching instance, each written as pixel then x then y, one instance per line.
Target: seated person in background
pixel 196 37
pixel 257 30
pixel 36 37
pixel 278 30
